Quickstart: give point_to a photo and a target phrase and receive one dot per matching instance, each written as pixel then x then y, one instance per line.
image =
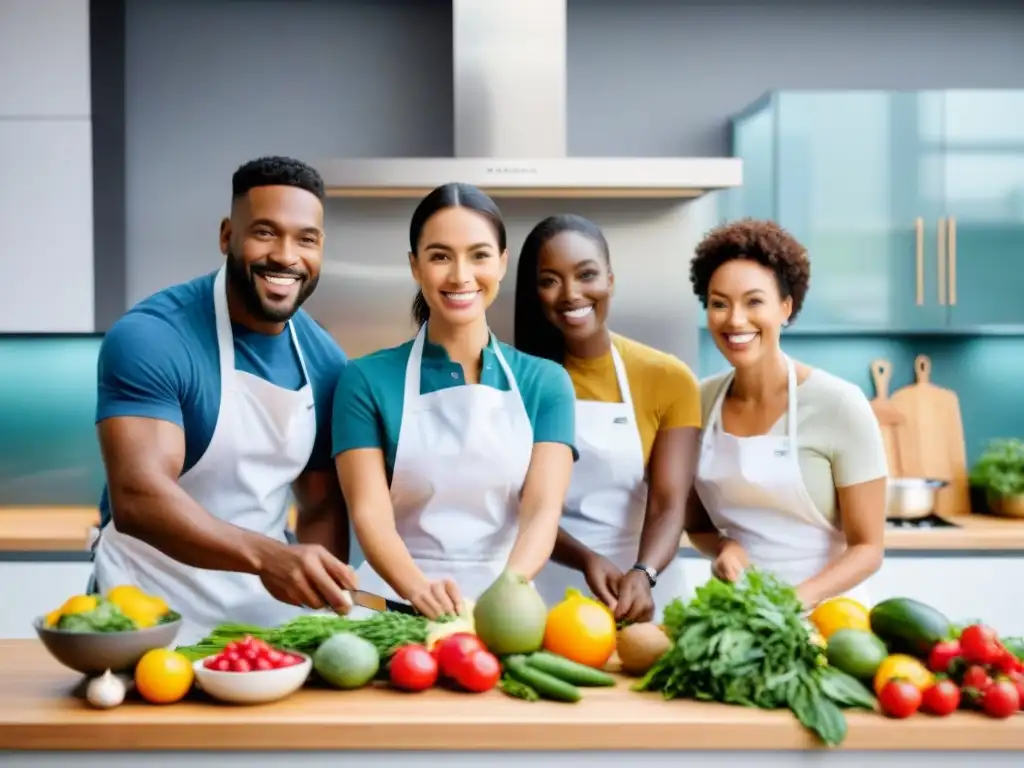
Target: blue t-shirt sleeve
pixel 144 369
pixel 555 420
pixel 356 422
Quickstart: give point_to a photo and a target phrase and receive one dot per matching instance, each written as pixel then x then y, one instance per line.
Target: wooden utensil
pixel 890 418
pixel 934 434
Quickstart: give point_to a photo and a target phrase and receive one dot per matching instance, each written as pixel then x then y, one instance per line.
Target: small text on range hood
pixel 510 124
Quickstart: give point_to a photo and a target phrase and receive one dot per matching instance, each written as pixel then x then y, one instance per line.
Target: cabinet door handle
pixel 919 257
pixel 941 247
pixel 951 236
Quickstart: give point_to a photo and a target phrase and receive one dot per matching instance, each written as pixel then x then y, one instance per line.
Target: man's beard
pixel 243 281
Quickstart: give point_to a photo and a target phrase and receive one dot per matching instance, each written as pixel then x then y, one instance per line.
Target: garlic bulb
pixel 106 691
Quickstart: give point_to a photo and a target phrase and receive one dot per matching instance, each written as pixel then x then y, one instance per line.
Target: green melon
pixel 856 652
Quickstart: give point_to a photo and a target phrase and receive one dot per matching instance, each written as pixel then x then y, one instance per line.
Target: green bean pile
pixel 387 631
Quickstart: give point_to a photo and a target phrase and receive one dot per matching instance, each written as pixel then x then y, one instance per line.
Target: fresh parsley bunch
pixel 746 643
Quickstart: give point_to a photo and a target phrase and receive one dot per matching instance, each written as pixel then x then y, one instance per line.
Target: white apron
pixel 260 445
pixel 607 499
pixel 460 464
pixel 754 493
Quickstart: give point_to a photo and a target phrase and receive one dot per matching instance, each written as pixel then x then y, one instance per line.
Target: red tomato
pixel 976 677
pixel 478 672
pixel 1005 662
pixel 941 698
pixel 1018 680
pixel 979 644
pixel 241 665
pixel 413 668
pixel 222 665
pixel 942 655
pixel 452 650
pixel 1000 699
pixel 900 698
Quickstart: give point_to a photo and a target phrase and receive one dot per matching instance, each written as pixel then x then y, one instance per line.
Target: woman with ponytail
pixel 454 451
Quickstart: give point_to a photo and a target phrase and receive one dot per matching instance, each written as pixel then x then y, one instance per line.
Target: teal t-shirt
pixel 369 399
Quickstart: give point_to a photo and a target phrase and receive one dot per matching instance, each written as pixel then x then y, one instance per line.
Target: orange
pixel 581 629
pixel 904 667
pixel 840 613
pixel 163 676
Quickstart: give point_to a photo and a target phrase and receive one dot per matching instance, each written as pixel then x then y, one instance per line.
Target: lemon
pixel 78 604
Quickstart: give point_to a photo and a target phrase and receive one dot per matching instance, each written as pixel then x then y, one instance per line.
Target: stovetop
pixel 932 521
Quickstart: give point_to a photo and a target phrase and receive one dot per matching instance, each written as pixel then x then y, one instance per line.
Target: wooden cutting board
pixel 934 433
pixel 890 418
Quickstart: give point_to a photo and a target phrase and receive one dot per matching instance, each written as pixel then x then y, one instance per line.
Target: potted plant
pixel 999 472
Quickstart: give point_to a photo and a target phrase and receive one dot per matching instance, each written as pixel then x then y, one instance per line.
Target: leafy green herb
pixel 747 644
pixel 1000 469
pixel 387 631
pixel 105 617
pixel 517 690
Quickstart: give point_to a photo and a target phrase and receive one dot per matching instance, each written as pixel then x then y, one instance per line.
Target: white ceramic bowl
pixel 257 687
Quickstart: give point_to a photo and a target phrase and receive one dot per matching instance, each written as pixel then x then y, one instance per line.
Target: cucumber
pixel 547 686
pixel 909 626
pixel 569 670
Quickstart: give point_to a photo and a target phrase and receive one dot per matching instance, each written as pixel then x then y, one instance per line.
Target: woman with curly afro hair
pixel 792 472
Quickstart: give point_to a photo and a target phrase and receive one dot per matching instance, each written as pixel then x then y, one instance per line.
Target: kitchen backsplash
pixel 49 454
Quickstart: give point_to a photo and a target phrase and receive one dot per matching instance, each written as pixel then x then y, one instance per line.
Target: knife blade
pixel 381 604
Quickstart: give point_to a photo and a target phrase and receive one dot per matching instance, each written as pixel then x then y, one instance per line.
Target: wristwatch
pixel 652 575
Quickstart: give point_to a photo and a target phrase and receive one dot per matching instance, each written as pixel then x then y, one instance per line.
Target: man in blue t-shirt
pixel 215 398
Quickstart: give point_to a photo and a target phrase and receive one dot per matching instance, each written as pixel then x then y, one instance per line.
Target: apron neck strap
pixel 715 416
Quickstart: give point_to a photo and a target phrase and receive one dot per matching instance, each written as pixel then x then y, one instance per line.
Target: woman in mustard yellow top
pixel 637 425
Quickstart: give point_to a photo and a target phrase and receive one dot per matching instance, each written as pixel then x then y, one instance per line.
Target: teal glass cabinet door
pixel 983 169
pixel 850 185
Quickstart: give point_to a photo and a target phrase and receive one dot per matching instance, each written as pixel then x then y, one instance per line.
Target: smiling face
pixel 574 284
pixel 274 244
pixel 458 265
pixel 746 311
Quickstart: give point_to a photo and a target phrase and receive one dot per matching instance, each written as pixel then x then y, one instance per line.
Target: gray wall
pixel 46 217
pixel 212 83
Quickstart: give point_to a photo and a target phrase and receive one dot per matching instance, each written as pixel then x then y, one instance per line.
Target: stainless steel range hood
pixel 511 124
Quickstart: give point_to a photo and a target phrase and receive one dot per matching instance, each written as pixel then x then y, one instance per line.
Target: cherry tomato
pixel 1005 662
pixel 452 650
pixel 478 672
pixel 262 664
pixel 241 665
pixel 413 668
pixel 1000 699
pixel 979 644
pixel 976 677
pixel 942 655
pixel 900 698
pixel 941 698
pixel 222 665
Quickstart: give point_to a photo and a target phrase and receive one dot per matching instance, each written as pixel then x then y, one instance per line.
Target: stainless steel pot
pixel 911 498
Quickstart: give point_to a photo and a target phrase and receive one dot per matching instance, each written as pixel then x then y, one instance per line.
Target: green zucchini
pixel 569 670
pixel 547 686
pixel 909 626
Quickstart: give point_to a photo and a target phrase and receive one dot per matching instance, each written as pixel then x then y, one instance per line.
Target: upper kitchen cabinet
pixel 842 171
pixel 981 149
pixel 911 204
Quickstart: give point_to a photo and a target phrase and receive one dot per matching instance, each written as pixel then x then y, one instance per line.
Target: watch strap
pixel 652 575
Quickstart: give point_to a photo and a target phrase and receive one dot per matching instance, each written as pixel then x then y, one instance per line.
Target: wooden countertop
pixel 66 529
pixel 39 711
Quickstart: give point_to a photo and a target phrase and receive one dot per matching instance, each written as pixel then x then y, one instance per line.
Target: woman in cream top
pixel 792 471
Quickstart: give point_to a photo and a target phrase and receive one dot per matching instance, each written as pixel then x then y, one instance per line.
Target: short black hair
pixel 533 333
pixel 763 242
pixel 276 171
pixel 451 195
